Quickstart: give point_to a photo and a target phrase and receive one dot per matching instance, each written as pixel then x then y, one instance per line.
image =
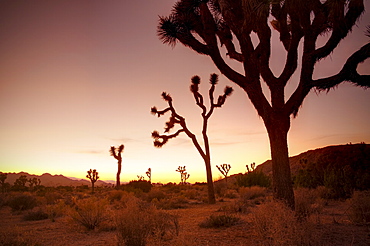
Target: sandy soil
pixel 332 225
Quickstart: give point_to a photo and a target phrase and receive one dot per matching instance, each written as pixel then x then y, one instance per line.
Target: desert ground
pixel 250 217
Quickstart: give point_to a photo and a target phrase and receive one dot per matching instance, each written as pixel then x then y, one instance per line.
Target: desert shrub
pixel 255 178
pixel 231 194
pixel 273 223
pixel 191 193
pixel 174 202
pixel 250 193
pixel 339 182
pixel 35 215
pixel 142 185
pixel 359 211
pixel 89 212
pixel 155 194
pixel 22 202
pixel 56 210
pixel 248 197
pixel 220 188
pixel 115 195
pixel 307 202
pixel 139 220
pixel 52 197
pixel 217 221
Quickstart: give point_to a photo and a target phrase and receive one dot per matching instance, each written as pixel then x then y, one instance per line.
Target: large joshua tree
pixel 116 153
pixel 175 118
pixel 207 25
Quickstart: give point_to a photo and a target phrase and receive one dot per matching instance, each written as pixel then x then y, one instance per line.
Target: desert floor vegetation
pixel 178 215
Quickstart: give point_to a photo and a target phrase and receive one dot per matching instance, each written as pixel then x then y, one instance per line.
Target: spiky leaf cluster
pixel 93 175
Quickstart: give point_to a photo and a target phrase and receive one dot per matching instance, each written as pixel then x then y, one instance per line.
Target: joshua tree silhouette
pixel 215 26
pixel 183 174
pixel 175 118
pixel 93 175
pixel 116 153
pixel 149 174
pixel 224 169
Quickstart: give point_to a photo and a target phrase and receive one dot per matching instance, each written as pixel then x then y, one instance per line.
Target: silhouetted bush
pixel 142 185
pixel 255 178
pixel 22 202
pixel 217 221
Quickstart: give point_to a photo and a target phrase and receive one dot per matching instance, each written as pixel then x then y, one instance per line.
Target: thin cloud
pixel 90 152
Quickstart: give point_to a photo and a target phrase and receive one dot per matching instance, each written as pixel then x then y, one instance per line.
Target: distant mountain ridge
pixel 338 155
pixel 54 180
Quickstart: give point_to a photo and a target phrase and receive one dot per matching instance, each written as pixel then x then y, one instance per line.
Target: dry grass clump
pixel 273 223
pixel 307 202
pixel 248 197
pixel 174 202
pixel 359 211
pixel 138 220
pixel 56 210
pixel 217 221
pixel 89 212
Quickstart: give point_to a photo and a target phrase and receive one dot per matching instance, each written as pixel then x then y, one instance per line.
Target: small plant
pixel 141 185
pixel 89 212
pixel 224 170
pixel 183 174
pixel 22 202
pixel 217 221
pixel 93 175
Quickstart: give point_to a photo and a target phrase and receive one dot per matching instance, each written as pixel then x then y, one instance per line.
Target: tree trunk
pixel 118 183
pixel 281 175
pixel 211 191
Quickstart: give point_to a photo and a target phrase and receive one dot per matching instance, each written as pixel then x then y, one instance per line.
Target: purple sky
pixel 79 76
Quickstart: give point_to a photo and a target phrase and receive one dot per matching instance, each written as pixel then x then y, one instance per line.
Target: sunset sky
pixel 77 77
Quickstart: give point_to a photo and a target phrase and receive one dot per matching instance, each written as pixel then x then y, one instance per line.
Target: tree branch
pixel 348 72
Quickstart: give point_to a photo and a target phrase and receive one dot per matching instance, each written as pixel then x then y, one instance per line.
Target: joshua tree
pixel 206 26
pixel 116 153
pixel 175 118
pixel 183 174
pixel 20 183
pixel 224 169
pixel 93 175
pixel 149 174
pixel 251 169
pixel 140 177
pixel 34 182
